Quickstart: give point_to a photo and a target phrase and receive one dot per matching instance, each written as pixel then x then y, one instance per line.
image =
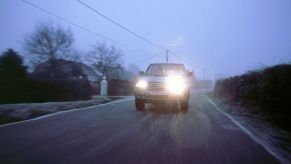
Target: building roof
pixel 67 67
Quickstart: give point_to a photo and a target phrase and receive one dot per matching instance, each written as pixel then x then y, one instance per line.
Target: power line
pixel 79 26
pixel 85 29
pixel 121 26
pixel 71 23
pixel 94 33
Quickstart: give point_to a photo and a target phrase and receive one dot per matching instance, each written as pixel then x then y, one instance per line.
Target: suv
pixel 163 82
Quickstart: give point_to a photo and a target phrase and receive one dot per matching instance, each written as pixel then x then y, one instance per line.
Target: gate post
pixel 104 87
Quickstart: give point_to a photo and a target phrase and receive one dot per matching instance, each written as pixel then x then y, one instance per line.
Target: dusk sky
pixel 224 36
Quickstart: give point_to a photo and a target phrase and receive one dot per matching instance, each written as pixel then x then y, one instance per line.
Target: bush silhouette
pixel 15 87
pixel 268 91
pixel 11 65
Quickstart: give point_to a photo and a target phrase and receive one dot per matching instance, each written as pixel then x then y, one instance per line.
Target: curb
pixel 63 112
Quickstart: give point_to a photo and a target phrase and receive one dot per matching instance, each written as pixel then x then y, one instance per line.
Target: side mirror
pixel 141 72
pixel 190 74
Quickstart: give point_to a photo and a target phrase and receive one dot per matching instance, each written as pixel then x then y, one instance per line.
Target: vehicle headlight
pixel 176 84
pixel 142 84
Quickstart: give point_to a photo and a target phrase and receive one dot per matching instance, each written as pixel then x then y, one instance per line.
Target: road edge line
pixel 244 129
pixel 63 112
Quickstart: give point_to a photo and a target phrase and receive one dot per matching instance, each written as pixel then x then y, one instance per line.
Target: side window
pixel 148 71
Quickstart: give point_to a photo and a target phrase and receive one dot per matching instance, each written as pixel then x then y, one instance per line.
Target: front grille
pixel 157 86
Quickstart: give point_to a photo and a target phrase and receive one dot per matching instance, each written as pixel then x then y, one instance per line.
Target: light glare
pixel 142 84
pixel 176 84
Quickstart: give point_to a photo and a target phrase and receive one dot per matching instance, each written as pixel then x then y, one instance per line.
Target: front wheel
pixel 184 105
pixel 139 104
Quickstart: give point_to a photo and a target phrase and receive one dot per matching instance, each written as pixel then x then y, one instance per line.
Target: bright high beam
pixel 176 84
pixel 142 84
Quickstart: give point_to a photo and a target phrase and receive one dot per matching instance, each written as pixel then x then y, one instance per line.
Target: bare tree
pixel 106 59
pixel 49 42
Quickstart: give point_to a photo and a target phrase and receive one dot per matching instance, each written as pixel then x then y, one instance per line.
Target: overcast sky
pixel 218 36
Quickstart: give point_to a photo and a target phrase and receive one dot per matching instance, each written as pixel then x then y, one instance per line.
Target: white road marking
pixel 244 129
pixel 63 112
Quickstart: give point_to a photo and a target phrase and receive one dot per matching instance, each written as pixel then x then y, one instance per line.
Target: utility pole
pixel 203 73
pixel 167 57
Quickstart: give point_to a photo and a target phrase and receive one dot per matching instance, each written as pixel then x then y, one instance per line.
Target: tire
pixel 184 105
pixel 139 104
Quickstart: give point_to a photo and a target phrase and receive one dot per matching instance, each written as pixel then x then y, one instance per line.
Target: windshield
pixel 165 69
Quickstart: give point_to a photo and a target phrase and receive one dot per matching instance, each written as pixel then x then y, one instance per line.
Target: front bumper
pixel 157 96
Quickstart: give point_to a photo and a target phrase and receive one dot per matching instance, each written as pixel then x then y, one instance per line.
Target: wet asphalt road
pixel 116 133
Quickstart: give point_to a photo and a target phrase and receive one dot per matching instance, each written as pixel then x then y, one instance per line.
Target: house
pixel 60 69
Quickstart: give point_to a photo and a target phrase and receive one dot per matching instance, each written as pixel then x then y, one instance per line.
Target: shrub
pixel 276 90
pixel 16 88
pixel 20 91
pixel 120 87
pixel 11 65
pixel 269 91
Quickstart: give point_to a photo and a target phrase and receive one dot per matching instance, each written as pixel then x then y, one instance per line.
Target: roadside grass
pixel 261 124
pixel 36 113
pixel 10 113
pixel 8 119
pixel 250 111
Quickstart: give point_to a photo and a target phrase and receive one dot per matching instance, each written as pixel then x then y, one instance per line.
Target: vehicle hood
pixel 153 78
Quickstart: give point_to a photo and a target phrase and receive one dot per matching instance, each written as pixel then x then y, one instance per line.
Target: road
pixel 116 133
